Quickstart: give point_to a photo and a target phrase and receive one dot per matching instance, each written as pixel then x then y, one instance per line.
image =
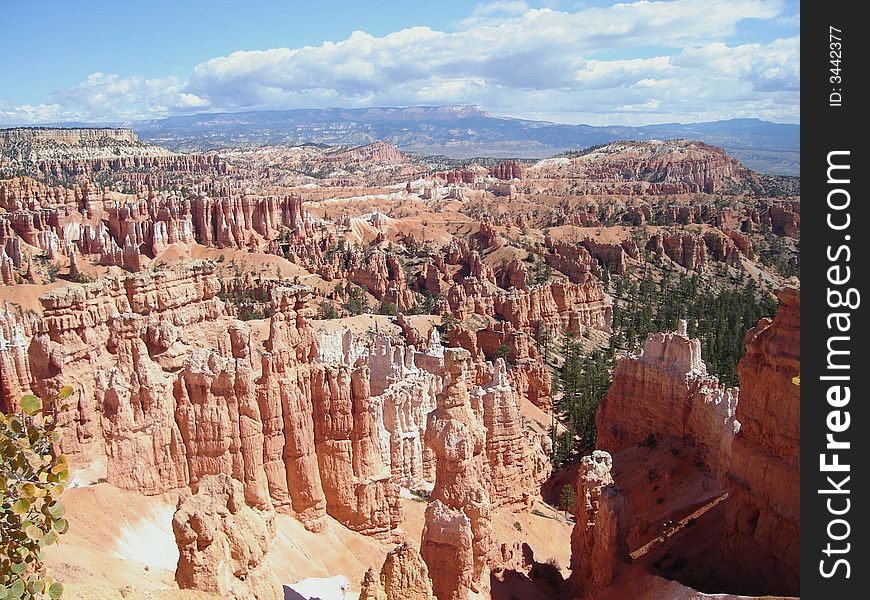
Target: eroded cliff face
pixel 509 169
pixel 125 230
pixel 667 392
pixel 694 250
pixel 469 287
pixel 171 389
pixel 117 342
pixel 517 466
pixel 746 541
pixel 224 544
pixel 286 406
pixel 81 153
pixel 762 537
pixel 383 277
pixel 67 136
pixel 404 384
pixel 357 484
pixel 15 333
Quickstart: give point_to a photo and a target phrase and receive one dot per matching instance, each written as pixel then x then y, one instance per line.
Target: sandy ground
pixel 92 591
pixel 116 538
pixel 27 295
pixel 545 530
pixel 120 544
pixel 120 541
pixel 538 417
pixel 665 487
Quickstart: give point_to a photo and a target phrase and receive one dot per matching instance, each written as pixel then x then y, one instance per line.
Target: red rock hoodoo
pixel 456 536
pixel 598 541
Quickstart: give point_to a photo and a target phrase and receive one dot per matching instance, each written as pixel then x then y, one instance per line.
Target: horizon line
pixel 129 123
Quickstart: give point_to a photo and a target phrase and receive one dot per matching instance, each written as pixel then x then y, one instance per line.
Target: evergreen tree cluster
pixel 583 381
pixel 652 302
pixel 719 317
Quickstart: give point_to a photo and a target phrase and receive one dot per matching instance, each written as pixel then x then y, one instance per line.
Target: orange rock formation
pixel 763 511
pixel 456 536
pixel 598 542
pixel 224 544
pixel 404 576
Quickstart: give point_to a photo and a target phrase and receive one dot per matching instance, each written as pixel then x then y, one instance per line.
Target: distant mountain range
pixel 463 132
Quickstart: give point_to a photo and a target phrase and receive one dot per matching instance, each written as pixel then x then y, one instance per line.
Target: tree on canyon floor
pixel 583 382
pixel 567 498
pixel 32 478
pixel 356 303
pixel 387 308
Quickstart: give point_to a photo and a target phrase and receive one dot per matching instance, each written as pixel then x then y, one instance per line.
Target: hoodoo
pixel 310 364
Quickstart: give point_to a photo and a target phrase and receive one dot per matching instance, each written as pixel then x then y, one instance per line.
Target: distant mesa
pixel 462 132
pixel 379 152
pixel 67 135
pixel 71 153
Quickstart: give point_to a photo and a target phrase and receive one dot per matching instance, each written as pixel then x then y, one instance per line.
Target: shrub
pixel 387 308
pixel 79 277
pixel 328 311
pixel 421 495
pixel 548 571
pixel 356 303
pixel 650 442
pixel 32 478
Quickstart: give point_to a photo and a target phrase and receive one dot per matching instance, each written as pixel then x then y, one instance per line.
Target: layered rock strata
pixel 762 539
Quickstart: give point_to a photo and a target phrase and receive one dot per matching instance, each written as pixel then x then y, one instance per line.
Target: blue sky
pixel 589 61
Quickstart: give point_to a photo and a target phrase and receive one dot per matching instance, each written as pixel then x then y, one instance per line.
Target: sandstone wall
pixel 763 511
pixel 666 391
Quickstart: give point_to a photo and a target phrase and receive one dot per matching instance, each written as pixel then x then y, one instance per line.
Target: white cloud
pixel 506 57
